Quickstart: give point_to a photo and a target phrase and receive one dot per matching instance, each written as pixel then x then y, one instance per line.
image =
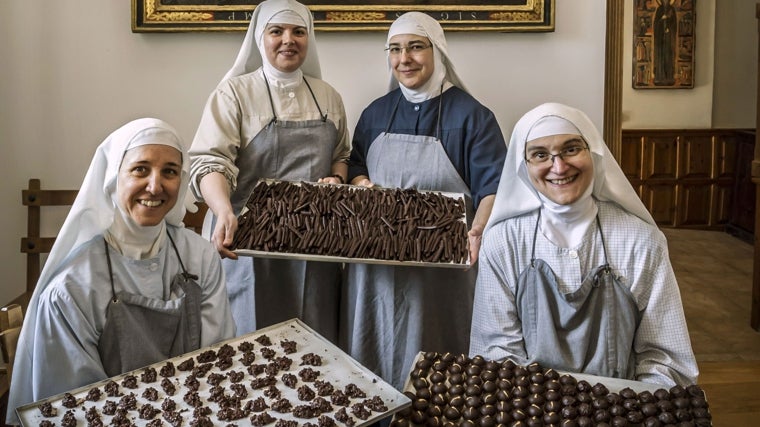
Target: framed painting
pixel 663 44
pixel 347 15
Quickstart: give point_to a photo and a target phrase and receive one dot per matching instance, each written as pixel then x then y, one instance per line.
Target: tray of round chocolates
pixel 456 390
pixel 285 375
pixel 346 223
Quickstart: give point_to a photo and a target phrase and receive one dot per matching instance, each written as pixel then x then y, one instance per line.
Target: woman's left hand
pixel 330 180
pixel 474 237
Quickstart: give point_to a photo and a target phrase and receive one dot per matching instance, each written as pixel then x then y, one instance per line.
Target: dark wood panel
pixel 723 197
pixel 660 200
pixel 693 178
pixel 631 161
pixel 696 157
pixel 726 157
pixel 743 211
pixel 660 154
pixel 694 205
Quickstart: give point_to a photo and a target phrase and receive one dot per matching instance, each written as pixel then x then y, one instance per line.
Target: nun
pixel 125 284
pixel 574 273
pixel 271 117
pixel 426 133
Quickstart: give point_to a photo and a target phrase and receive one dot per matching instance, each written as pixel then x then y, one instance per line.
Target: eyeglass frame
pixel 561 154
pixel 413 44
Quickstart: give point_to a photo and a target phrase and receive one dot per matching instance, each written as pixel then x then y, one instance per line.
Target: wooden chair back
pixel 34 244
pixel 11 318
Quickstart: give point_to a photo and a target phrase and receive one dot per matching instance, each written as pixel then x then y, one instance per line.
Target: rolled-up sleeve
pixel 217 139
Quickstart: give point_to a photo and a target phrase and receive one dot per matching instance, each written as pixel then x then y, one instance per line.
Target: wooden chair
pixel 194 220
pixel 11 317
pixel 33 245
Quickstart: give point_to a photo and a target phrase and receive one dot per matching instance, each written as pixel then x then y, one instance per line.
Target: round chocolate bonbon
pixel 481 393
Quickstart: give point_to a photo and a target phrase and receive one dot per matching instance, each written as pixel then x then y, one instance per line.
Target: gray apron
pixel 140 331
pixel 392 313
pixel 266 291
pixel 590 330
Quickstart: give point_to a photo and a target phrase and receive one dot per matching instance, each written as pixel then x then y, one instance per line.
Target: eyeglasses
pixel 541 157
pixel 413 49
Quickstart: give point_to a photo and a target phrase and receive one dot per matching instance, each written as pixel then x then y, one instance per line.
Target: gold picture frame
pixel 347 15
pixel 663 44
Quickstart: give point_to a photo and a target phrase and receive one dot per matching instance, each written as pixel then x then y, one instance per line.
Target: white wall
pixel 672 108
pixel 735 91
pixel 73 71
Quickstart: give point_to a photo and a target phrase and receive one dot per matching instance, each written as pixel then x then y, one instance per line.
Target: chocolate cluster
pixel 456 390
pixel 253 383
pixel 353 222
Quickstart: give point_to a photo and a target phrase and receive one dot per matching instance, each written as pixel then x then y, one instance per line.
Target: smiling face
pixel 286 46
pixel 411 67
pixel 149 182
pixel 561 180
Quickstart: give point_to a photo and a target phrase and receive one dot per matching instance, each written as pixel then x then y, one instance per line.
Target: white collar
pixel 565 225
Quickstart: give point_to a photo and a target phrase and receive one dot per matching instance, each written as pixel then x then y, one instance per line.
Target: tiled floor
pixel 714 272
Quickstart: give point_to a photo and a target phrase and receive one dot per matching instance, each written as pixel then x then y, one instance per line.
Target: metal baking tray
pixel 327 258
pixel 337 367
pixel 340 259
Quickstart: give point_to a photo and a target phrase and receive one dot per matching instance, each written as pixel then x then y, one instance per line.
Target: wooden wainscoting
pixel 693 178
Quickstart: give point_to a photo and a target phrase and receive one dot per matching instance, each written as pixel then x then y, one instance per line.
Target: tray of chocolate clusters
pixel 285 375
pixel 346 223
pixel 456 390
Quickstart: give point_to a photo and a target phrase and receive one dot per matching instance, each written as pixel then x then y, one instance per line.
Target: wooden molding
pixel 613 78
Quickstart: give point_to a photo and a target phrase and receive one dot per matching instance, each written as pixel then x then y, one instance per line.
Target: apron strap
pixel 110 272
pixel 271 101
pixel 324 116
pixel 438 130
pixel 393 113
pixel 533 248
pixel 187 275
pixel 604 245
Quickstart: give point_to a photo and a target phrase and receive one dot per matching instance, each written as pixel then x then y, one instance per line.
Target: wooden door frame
pixel 613 77
pixel 755 308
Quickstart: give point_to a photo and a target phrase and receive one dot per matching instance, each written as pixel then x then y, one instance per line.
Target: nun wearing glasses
pixel 271 117
pixel 574 273
pixel 426 133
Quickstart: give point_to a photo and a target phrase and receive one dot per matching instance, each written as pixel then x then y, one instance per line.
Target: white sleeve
pixel 217 140
pixel 216 317
pixel 66 343
pixel 662 347
pixel 496 327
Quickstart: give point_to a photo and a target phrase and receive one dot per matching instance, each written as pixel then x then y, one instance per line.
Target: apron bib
pixel 590 330
pixel 140 331
pixel 395 312
pixel 265 291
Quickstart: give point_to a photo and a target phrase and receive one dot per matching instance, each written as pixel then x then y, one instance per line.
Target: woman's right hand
pixel 363 181
pixel 216 193
pixel 224 233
